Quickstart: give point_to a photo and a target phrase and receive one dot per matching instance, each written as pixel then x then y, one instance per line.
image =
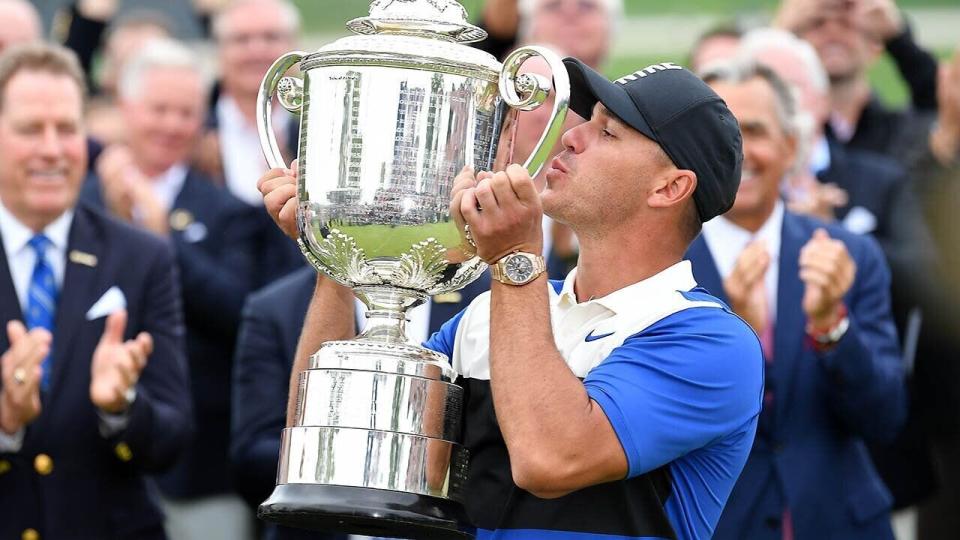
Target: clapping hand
pixel 117 364
pixel 126 189
pixel 745 286
pixel 827 271
pixel 22 372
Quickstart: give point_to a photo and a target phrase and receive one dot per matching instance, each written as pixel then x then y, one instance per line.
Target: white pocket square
pixel 859 220
pixel 111 301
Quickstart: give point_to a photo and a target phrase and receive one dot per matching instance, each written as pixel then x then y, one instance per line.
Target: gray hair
pixel 740 71
pixel 526 9
pixel 288 11
pixel 157 54
pixel 760 40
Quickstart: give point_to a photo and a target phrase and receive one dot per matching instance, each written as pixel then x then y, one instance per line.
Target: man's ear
pixel 674 188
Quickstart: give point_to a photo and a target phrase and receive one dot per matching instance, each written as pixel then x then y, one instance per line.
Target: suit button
pixel 4 466
pixel 123 452
pixel 43 464
pixel 30 534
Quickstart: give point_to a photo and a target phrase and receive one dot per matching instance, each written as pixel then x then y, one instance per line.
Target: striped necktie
pixel 42 299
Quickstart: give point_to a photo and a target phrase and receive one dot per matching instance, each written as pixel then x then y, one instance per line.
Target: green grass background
pixel 329 16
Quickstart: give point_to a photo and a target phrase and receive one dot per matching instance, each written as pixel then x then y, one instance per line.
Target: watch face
pixel 518 268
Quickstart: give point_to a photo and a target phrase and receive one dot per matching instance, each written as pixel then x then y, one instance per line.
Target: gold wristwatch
pixel 518 268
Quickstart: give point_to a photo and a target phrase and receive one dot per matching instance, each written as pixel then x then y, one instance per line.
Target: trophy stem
pixel 387 312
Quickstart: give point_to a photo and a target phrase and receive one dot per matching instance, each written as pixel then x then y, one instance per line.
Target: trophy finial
pixel 439 19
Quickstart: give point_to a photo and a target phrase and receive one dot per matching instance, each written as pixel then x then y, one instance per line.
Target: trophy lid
pixel 438 19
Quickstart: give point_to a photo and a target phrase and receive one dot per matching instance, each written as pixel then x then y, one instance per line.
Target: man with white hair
pixel 19 23
pixel 216 237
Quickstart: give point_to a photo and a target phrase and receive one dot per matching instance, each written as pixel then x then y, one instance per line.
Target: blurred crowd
pixel 105 433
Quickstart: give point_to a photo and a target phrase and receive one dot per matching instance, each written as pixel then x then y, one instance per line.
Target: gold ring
pixel 468 236
pixel 20 375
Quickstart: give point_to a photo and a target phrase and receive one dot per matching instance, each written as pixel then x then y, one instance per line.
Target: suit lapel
pixel 789 329
pixel 9 303
pixel 79 289
pixel 705 269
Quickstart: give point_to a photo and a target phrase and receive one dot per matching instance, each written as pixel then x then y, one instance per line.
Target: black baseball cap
pixel 679 112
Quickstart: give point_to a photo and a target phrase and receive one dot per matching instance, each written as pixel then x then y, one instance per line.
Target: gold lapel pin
pixel 86 259
pixel 180 219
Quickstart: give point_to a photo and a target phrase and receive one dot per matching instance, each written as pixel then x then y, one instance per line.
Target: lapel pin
pixel 86 259
pixel 180 219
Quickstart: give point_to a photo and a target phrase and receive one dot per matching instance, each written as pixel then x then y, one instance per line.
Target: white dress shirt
pixel 21 258
pixel 240 150
pixel 727 241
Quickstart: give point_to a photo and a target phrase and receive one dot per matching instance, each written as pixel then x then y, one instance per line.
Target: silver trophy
pixel 388 117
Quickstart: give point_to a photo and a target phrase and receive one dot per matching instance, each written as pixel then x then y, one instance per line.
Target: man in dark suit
pixel 272 320
pixel 94 395
pixel 818 297
pixel 218 241
pixel 877 198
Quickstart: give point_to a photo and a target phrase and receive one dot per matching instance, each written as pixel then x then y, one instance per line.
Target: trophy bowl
pixel 388 118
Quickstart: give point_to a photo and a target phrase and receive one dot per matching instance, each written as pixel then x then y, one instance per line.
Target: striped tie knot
pixel 40 243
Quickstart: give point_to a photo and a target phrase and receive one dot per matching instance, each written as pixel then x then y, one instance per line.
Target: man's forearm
pixel 329 317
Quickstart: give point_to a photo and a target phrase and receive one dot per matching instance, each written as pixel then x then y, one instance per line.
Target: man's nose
pixel 51 143
pixel 572 139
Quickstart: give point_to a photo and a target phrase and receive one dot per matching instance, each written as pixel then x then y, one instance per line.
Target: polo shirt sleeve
pixel 442 340
pixel 680 384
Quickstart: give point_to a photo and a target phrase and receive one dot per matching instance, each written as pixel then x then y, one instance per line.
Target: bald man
pixel 20 23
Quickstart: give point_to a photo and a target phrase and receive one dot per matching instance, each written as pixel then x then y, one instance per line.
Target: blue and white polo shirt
pixel 680 378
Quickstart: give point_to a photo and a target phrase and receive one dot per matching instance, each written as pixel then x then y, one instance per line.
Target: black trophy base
pixel 371 512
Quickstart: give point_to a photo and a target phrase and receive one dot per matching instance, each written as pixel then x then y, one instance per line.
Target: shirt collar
pixel 720 232
pixel 16 235
pixel 678 277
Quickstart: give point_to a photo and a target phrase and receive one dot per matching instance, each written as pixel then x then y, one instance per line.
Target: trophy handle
pixel 289 90
pixel 528 91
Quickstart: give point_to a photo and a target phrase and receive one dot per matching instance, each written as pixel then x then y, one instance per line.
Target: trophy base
pixel 371 512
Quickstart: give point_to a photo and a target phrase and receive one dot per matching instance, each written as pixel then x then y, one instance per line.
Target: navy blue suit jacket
pixel 809 454
pixel 97 488
pixel 272 320
pixel 219 243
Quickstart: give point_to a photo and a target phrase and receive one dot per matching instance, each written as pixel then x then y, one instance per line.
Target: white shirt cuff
pixel 11 444
pixel 111 424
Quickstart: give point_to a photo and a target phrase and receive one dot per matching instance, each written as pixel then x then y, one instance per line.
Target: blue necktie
pixel 42 299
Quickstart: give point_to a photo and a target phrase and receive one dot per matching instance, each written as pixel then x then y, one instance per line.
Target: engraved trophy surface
pixel 388 117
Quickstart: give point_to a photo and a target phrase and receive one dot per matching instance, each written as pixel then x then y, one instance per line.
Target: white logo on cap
pixel 649 70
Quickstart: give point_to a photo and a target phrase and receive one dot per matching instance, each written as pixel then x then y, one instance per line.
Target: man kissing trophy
pixel 388 117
